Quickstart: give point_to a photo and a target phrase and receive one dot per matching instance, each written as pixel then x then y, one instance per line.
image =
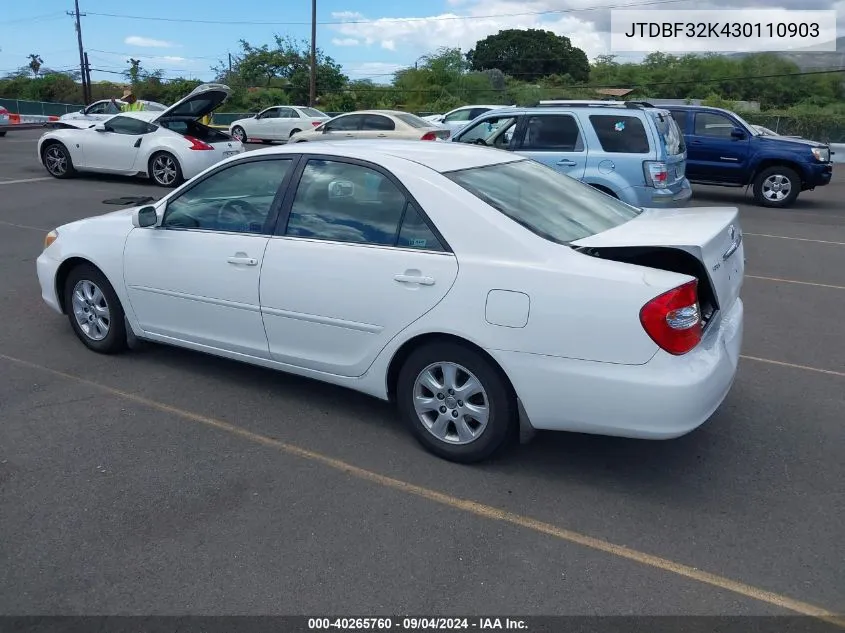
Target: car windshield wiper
pixel 130 200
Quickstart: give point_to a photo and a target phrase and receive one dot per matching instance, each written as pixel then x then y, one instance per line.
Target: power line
pixel 35 18
pixel 439 18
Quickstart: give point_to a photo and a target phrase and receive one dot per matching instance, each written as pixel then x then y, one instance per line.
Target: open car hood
pixel 202 100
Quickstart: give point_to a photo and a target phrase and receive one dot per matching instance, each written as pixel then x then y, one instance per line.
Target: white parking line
pixel 24 226
pixel 797 239
pixel 793 281
pixel 23 180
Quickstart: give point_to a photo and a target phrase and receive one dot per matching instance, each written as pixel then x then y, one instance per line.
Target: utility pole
pixel 230 63
pixel 313 92
pixel 88 79
pixel 86 89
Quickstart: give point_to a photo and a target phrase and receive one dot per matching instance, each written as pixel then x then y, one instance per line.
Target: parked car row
pixel 643 155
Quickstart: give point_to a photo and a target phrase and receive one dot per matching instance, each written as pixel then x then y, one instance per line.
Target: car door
pixel 287 121
pixel 354 262
pixel 114 145
pixel 194 278
pixel 457 119
pixel 264 127
pixel 713 152
pixel 344 127
pixel 377 126
pixel 555 140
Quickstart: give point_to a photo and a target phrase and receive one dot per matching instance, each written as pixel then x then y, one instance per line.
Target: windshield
pixel 552 205
pixel 314 113
pixel 413 120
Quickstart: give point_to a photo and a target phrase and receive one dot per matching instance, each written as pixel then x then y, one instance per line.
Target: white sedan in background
pixel 168 146
pixel 374 124
pixel 278 123
pixel 104 109
pixel 456 119
pixel 4 119
pixel 481 291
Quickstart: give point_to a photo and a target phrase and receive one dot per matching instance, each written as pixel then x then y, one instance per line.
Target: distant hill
pixel 808 59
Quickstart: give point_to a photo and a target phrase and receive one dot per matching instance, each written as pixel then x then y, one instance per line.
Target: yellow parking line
pixel 466 505
pixel 830 372
pixel 793 281
pixel 797 239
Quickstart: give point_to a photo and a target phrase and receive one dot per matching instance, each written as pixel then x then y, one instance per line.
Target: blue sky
pixel 369 38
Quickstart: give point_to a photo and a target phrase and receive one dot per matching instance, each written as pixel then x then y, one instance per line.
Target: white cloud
pixel 377 72
pixel 346 41
pixel 415 36
pixel 346 15
pixel 147 42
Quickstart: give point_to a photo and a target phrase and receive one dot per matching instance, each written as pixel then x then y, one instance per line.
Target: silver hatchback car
pixel 630 150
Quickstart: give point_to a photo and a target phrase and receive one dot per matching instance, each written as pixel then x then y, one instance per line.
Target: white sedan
pixel 374 124
pixel 168 146
pixel 278 123
pixel 104 109
pixel 481 291
pixel 456 119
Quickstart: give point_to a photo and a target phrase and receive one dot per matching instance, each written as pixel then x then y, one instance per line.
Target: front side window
pixel 551 205
pixel 348 123
pixel 237 199
pixel 99 108
pixel 128 125
pixel 344 202
pixel 495 131
pixel 272 113
pixel 713 125
pixel 460 115
pixel 553 133
pixel 620 134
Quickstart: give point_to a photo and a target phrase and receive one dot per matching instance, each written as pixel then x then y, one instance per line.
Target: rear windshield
pixel 413 120
pixel 670 134
pixel 313 113
pixel 547 203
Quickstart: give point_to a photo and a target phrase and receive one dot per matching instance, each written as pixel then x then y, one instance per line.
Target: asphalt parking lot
pixel 168 482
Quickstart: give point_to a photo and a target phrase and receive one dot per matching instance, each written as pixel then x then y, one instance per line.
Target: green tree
pixel 133 73
pixel 528 54
pixel 35 63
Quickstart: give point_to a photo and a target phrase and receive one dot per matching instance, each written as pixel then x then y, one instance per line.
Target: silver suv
pixel 630 150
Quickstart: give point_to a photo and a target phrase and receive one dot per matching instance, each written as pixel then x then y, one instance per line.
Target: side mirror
pixel 100 127
pixel 737 134
pixel 144 217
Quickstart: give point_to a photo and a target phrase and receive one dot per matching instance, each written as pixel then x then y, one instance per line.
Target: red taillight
pixel 197 144
pixel 656 174
pixel 3 110
pixel 316 123
pixel 673 319
pixel 429 136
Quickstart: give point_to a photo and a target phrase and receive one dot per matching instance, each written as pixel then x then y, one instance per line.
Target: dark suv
pixel 725 150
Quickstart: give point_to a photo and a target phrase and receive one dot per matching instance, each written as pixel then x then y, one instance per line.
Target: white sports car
pixel 168 146
pixel 104 109
pixel 481 291
pixel 278 123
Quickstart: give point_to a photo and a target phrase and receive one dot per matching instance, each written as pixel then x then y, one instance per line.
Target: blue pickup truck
pixel 725 150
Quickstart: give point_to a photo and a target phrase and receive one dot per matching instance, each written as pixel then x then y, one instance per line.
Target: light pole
pixel 312 95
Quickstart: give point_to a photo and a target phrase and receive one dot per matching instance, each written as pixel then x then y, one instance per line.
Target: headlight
pixel 52 236
pixel 822 154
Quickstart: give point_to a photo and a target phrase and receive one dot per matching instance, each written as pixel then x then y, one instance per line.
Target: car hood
pixel 202 100
pixel 791 143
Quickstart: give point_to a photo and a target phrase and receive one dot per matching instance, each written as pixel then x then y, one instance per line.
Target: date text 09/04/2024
pixel 723 29
pixel 416 624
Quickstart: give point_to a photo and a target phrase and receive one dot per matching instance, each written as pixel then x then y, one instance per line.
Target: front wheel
pixel 456 402
pixel 165 170
pixel 57 160
pixel 776 187
pixel 94 310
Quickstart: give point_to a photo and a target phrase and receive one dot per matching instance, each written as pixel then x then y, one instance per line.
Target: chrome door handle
pixel 566 162
pixel 414 279
pixel 382 136
pixel 243 261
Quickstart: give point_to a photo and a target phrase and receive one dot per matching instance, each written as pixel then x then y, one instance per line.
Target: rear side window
pixel 413 120
pixel 670 134
pixel 553 133
pixel 415 233
pixel 620 134
pixel 377 122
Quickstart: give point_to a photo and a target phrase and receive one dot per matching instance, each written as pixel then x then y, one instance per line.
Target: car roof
pixel 562 109
pixel 387 112
pixel 695 107
pixel 441 156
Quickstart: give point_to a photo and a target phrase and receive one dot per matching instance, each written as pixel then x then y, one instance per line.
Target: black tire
pixel 163 182
pixel 764 199
pixel 55 149
pixel 115 339
pixel 239 131
pixel 2 133
pixel 501 403
pixel 604 190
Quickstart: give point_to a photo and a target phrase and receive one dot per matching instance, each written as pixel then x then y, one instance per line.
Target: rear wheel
pixel 456 402
pixel 94 310
pixel 777 187
pixel 164 170
pixel 292 132
pixel 2 133
pixel 239 134
pixel 57 160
